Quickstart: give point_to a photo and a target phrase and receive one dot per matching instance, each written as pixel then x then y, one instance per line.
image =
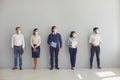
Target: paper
pixel 54 44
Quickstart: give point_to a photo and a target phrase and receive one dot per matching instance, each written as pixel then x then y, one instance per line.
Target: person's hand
pixel 12 49
pixel 92 44
pixel 70 46
pixel 22 50
pixel 35 47
pixel 50 44
pixel 76 46
pixel 60 49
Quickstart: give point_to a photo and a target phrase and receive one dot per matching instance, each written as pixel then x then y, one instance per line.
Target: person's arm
pixel 39 42
pixel 12 42
pixel 60 40
pixel 49 40
pixel 31 42
pixel 90 40
pixel 76 43
pixel 100 41
pixel 23 42
pixel 69 43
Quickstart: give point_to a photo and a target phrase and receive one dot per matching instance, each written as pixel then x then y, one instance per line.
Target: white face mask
pixel 55 30
pixel 97 31
pixel 36 33
pixel 19 32
pixel 74 35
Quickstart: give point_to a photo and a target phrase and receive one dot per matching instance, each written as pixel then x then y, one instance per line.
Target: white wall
pixel 67 15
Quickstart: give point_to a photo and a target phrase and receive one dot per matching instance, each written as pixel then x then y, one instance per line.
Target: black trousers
pixel 95 49
pixel 54 53
pixel 73 52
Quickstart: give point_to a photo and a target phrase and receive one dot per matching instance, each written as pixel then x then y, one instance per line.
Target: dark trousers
pixel 54 53
pixel 95 49
pixel 73 52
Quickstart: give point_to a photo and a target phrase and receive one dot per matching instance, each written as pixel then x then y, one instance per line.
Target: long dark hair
pixel 35 30
pixel 71 34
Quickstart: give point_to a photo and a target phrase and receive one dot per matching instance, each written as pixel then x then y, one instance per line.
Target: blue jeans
pixel 17 53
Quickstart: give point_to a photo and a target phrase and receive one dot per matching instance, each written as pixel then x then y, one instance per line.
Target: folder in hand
pixel 54 44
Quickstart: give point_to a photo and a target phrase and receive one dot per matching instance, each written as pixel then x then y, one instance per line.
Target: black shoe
pixel 51 68
pixel 90 67
pixel 72 68
pixel 99 67
pixel 21 68
pixel 14 68
pixel 57 68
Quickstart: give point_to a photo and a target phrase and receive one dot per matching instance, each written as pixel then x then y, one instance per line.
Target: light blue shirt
pixel 72 42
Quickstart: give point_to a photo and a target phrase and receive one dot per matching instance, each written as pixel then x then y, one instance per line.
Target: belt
pixel 96 46
pixel 17 46
pixel 73 47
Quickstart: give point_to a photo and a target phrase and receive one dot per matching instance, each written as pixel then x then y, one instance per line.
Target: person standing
pixel 95 41
pixel 35 44
pixel 18 45
pixel 55 43
pixel 72 44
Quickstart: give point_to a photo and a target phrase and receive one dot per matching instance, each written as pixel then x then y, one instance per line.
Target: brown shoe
pixel 14 68
pixel 21 68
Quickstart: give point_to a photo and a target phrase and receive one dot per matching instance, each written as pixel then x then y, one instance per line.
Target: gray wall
pixel 67 15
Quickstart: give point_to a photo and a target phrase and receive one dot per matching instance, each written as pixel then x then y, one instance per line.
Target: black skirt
pixel 36 52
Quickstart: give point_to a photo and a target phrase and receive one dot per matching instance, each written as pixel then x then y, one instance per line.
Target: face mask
pixel 36 33
pixel 74 35
pixel 19 32
pixel 55 30
pixel 97 31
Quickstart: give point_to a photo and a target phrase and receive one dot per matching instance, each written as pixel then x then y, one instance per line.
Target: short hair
pixel 53 27
pixel 71 34
pixel 95 28
pixel 35 30
pixel 17 28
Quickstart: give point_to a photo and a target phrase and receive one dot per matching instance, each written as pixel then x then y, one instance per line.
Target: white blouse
pixel 72 42
pixel 35 40
pixel 95 39
pixel 18 40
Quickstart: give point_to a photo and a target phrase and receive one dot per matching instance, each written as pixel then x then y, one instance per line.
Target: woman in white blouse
pixel 72 43
pixel 35 43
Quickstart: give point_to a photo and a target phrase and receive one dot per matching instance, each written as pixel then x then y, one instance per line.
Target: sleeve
pixel 12 41
pixel 23 46
pixel 31 41
pixel 60 39
pixel 68 43
pixel 39 41
pixel 49 40
pixel 90 39
pixel 100 39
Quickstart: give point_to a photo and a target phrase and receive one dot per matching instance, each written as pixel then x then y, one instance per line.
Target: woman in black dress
pixel 35 43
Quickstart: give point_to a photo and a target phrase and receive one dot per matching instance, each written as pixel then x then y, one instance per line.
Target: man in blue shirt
pixel 55 43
